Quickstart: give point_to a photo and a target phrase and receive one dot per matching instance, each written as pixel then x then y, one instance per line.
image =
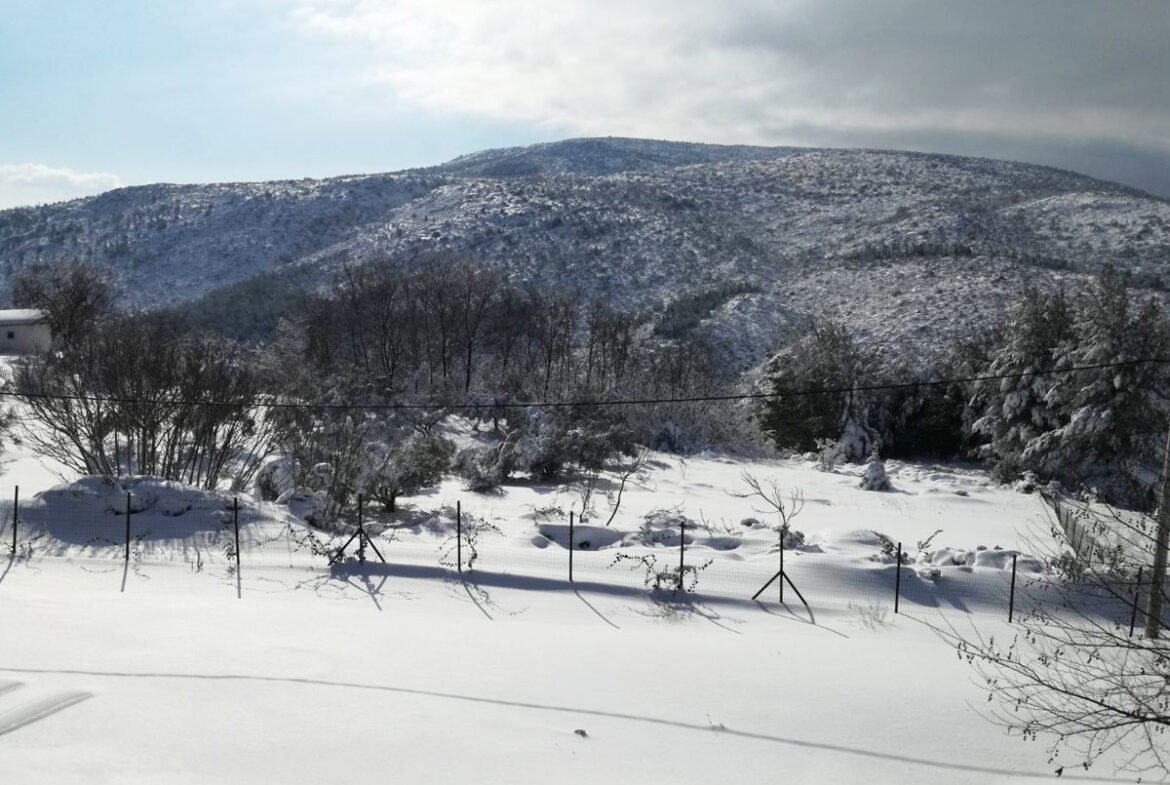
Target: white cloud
pixel 30 184
pixel 770 71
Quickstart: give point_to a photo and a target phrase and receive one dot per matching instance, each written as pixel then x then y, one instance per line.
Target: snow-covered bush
pixel 875 478
pixel 348 442
pixel 310 506
pixel 829 454
pixel 275 478
pixel 585 438
pixel 1028 483
pixel 792 539
pixel 482 469
pixel 406 467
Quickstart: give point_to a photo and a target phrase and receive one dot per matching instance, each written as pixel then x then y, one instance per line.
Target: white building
pixel 24 331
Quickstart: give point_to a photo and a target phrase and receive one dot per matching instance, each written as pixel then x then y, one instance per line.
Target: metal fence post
pixel 236 526
pixel 1012 591
pixel 459 535
pixel 15 517
pixel 570 546
pixel 898 579
pixel 782 566
pixel 361 532
pixel 1137 594
pixel 682 544
pixel 127 527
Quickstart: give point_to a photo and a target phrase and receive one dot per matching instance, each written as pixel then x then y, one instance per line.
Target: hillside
pixel 885 241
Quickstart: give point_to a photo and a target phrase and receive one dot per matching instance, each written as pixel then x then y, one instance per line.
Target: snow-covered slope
pixel 643 222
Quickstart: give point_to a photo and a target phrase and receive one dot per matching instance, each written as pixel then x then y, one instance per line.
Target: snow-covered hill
pixel 883 240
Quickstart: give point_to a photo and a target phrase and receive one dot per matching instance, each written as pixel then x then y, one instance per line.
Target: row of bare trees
pixel 452 327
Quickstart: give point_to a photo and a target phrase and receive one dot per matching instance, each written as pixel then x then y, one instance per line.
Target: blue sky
pixel 99 94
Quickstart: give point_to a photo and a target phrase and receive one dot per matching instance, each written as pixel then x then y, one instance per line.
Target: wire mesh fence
pixel 155 523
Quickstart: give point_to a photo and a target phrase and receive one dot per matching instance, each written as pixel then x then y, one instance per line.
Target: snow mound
pixel 585 538
pixel 1002 560
pixel 660 528
pixel 847 539
pixel 987 558
pixel 93 515
pixel 112 496
pixel 724 543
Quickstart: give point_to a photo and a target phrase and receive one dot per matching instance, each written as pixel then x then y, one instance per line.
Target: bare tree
pixel 785 506
pixel 72 296
pixel 1078 670
pixel 627 468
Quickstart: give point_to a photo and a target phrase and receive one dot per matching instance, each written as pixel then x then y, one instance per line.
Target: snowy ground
pixel 413 674
pixel 958 531
pixel 314 679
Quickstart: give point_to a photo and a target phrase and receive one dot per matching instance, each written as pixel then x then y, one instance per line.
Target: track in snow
pixel 33 711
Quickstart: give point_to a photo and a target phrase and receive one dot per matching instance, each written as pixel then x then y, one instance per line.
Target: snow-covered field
pixel 314 679
pixel 509 673
pixel 958 531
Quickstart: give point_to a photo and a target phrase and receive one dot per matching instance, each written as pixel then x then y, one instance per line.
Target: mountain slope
pixel 883 240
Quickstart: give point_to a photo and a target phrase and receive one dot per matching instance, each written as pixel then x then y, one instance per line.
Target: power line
pixel 437 405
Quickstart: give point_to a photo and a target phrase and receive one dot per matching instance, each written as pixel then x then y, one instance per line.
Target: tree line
pixel 133 393
pixel 144 393
pixel 1096 429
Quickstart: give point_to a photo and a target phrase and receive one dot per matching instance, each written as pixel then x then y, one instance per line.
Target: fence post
pixel 782 566
pixel 898 579
pixel 570 546
pixel 682 544
pixel 236 526
pixel 15 517
pixel 459 535
pixel 361 533
pixel 1137 593
pixel 127 527
pixel 1012 592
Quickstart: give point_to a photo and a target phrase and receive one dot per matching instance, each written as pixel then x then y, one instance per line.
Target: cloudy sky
pixel 94 95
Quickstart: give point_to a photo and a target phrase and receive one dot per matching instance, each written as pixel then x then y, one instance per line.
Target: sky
pixel 97 95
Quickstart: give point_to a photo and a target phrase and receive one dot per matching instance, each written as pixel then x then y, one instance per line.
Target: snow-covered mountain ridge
pixel 884 240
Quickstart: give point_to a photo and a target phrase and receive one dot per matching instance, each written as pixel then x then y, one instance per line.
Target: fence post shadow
pixel 591 607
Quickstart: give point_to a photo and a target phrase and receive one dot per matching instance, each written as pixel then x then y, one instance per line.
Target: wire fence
pixel 1079 529
pixel 167 525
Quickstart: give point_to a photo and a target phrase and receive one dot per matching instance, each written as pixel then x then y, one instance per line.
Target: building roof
pixel 21 316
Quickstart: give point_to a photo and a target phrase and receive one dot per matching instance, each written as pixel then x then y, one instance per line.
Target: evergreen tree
pixel 1013 411
pixel 1107 414
pixel 829 359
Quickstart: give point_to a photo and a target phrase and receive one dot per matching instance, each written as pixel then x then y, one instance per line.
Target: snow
pixel 176 668
pixel 12 316
pixel 841 545
pixel 300 674
pixel 312 679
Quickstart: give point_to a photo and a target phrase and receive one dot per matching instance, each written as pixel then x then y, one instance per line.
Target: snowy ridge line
pixel 38 710
pixel 592 402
